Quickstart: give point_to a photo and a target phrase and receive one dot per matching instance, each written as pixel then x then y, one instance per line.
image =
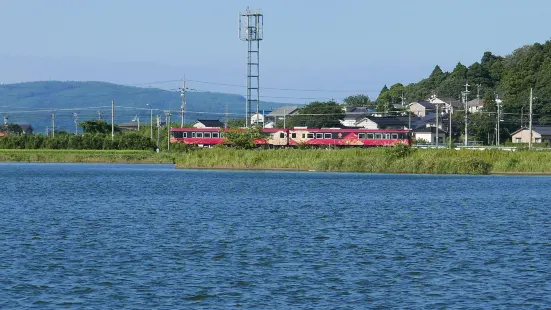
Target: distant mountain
pixel 32 102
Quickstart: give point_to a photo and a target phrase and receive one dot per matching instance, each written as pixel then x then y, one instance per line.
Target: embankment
pixel 85 156
pixel 379 160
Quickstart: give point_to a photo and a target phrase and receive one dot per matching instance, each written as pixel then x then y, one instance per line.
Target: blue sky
pixel 342 47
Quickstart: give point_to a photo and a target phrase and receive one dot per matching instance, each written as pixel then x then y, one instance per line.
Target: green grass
pixel 377 160
pixel 347 160
pixel 85 156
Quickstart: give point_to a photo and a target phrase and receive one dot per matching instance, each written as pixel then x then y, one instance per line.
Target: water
pixel 150 236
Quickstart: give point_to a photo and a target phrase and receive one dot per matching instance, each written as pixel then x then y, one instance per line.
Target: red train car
pixel 315 137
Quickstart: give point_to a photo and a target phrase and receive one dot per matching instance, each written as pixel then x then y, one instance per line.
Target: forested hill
pixel 510 76
pixel 84 97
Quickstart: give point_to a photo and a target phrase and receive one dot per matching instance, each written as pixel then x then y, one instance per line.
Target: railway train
pixel 298 136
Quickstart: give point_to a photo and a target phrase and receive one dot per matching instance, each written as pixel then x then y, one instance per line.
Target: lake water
pixel 150 236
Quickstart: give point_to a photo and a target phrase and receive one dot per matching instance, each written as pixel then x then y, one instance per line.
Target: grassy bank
pixel 388 160
pixel 85 156
pixel 379 160
pixel 349 160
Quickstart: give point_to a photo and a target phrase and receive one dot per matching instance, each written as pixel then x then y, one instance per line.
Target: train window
pixel 394 136
pixel 319 136
pixel 193 135
pixel 378 136
pixel 370 136
pixel 327 136
pixel 184 135
pixel 310 136
pixel 215 135
pixel 199 135
pixel 281 135
pixel 303 135
pixel 206 134
pixel 294 135
pixel 361 136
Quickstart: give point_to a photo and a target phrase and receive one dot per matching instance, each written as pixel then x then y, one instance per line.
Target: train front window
pixel 177 135
pixel 281 135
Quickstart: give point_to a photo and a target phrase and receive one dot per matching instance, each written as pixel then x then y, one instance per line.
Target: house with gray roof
pixel 422 108
pixel 540 134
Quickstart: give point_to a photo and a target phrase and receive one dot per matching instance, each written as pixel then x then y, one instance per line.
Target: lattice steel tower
pixel 251 24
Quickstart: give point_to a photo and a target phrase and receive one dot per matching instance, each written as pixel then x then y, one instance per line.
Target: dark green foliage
pixel 317 115
pixel 511 77
pixel 11 129
pixel 97 126
pixel 129 141
pixel 359 101
pixel 242 138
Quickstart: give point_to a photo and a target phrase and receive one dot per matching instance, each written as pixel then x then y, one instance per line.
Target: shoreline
pixel 377 160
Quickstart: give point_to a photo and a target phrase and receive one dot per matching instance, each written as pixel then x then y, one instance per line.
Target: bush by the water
pixel 128 141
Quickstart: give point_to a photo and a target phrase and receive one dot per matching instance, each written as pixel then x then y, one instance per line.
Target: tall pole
pixel 151 127
pixel 284 115
pixel 112 120
pixel 53 124
pixel 530 125
pixel 450 126
pixel 465 99
pixel 100 112
pixel 226 117
pixel 158 131
pixel 437 133
pixel 167 113
pixel 183 107
pixel 498 103
pixel 75 116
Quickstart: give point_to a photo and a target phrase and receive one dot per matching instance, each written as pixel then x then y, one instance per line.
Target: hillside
pixel 31 102
pixel 510 76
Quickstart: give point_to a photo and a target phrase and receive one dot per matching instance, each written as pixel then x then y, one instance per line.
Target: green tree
pixel 97 126
pixel 358 101
pixel 242 138
pixel 12 129
pixel 317 115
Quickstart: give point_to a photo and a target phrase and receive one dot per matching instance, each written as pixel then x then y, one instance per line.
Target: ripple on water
pixel 135 236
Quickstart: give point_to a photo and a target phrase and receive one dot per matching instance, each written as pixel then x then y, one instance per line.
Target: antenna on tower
pixel 251 28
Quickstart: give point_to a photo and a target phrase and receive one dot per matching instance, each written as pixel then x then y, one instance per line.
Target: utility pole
pixel 53 124
pixel 167 113
pixel 498 134
pixel 112 120
pixel 151 128
pixel 450 126
pixel 530 125
pixel 158 132
pixel 465 100
pixel 6 123
pixel 437 133
pixel 100 112
pixel 284 123
pixel 75 117
pixel 183 106
pixel 226 118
